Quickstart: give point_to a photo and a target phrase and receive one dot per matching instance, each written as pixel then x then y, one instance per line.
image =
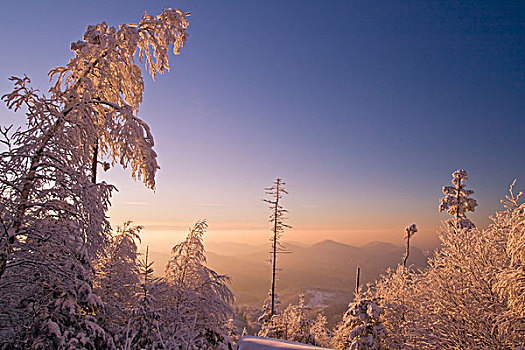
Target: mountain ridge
pixel 326 267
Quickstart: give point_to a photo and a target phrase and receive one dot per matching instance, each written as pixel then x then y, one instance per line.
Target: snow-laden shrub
pixel 470 296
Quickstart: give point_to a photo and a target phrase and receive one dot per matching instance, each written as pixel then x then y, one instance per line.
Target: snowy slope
pixel 258 343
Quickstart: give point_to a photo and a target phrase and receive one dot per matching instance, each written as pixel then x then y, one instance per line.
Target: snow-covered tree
pixel 53 211
pixel 294 323
pixel 90 114
pixel 510 281
pixel 233 331
pixel 457 201
pixel 460 307
pixel 104 86
pixel 49 303
pixel 469 297
pixel 117 280
pixel 361 328
pixel 199 297
pixel 274 327
pixel 267 307
pixel 320 331
pixel 53 225
pixel 399 292
pixel 271 324
pixel 298 323
pixel 277 217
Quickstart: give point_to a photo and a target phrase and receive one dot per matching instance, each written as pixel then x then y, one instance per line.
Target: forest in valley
pixel 69 280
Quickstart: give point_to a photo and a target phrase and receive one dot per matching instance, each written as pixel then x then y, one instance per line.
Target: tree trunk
pixel 274 250
pixel 94 162
pixel 357 280
pixel 408 249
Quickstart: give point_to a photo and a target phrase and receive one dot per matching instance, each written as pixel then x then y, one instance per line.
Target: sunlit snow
pixel 259 343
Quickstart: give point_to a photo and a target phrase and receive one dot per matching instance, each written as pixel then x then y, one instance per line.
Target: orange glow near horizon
pixel 162 236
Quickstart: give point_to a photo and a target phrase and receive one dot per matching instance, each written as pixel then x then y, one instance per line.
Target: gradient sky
pixel 363 108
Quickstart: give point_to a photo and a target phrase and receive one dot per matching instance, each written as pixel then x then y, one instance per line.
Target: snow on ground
pixel 259 343
pixel 319 299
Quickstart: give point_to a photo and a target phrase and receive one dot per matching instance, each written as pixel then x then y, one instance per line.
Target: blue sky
pixel 364 108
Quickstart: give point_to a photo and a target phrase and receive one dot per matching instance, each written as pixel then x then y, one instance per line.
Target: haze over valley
pixel 324 271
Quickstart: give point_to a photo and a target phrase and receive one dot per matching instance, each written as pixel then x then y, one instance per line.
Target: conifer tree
pixel 143 330
pixel 117 280
pixel 319 330
pixel 457 201
pixel 272 326
pixel 361 328
pixel 298 323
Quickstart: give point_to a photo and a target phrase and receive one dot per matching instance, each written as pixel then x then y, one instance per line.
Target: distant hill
pixel 327 265
pixel 325 271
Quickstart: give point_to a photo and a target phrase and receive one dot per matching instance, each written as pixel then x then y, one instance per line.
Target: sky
pixel 364 109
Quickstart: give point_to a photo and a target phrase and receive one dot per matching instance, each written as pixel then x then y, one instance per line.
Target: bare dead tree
pixel 277 218
pixel 409 232
pixel 357 273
